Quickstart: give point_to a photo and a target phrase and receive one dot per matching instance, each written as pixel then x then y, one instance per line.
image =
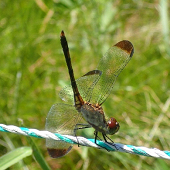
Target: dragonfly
pixel 84 98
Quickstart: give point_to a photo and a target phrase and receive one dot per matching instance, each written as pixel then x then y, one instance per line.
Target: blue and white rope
pixel 151 152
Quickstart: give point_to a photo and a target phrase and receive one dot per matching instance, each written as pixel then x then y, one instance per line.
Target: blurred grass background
pixel 33 71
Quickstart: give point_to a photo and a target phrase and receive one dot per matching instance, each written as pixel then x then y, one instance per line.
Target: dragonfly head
pixel 113 126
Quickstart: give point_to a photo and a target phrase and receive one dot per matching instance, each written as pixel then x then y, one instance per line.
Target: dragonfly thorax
pixel 94 115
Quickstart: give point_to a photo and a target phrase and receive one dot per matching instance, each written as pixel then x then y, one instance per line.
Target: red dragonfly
pixel 85 97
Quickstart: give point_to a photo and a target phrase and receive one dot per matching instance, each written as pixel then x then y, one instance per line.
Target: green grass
pixel 33 71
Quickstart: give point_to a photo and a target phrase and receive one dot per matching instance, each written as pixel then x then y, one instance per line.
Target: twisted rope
pixel 151 152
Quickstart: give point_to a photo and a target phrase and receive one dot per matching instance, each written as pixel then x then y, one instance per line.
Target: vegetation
pixel 33 71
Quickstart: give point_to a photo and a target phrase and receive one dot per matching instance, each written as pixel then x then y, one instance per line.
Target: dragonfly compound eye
pixel 113 125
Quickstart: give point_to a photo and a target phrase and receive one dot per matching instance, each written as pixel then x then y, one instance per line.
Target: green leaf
pixel 37 154
pixel 14 156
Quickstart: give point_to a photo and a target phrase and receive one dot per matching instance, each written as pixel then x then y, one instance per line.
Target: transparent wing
pixel 112 63
pixel 85 86
pixel 62 119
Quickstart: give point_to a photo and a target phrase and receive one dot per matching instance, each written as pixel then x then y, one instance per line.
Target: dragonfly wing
pixel 66 94
pixel 85 86
pixel 62 119
pixel 112 63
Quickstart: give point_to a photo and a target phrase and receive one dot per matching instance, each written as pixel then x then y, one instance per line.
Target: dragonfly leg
pixel 105 136
pixel 112 143
pixel 83 126
pixel 97 137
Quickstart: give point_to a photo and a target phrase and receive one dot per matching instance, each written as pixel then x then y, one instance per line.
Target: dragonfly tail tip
pixel 62 33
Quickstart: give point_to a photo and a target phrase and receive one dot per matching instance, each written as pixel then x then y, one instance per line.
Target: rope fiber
pixel 150 152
